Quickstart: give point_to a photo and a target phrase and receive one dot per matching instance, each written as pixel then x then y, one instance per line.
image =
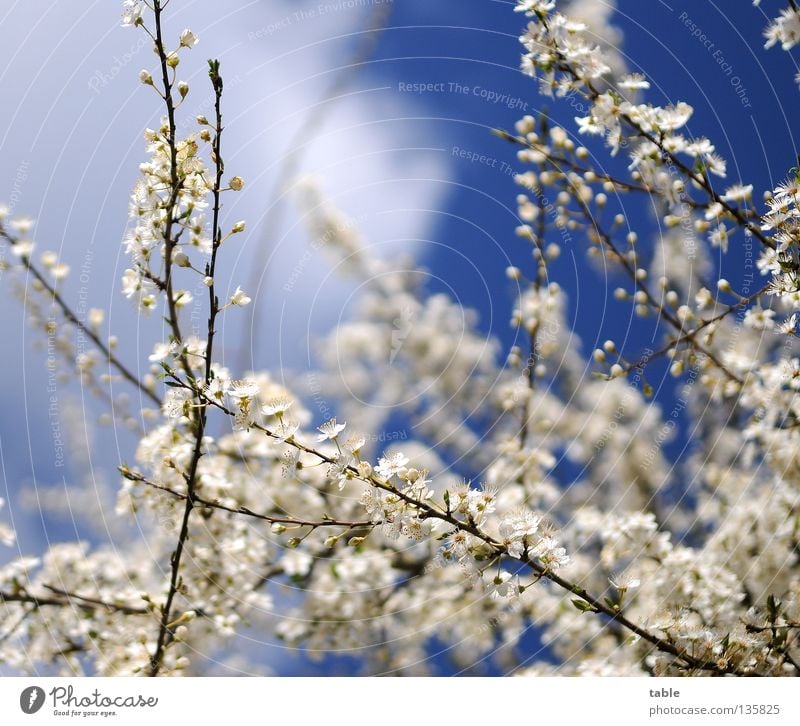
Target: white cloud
pixel 80 111
pixel 74 129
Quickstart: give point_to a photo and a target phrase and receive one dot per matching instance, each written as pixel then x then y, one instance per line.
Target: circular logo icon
pixel 31 699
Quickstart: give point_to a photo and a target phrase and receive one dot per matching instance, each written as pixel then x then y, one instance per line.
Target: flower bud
pixel 60 271
pixel 49 259
pixel 188 38
pixel 240 298
pixel 96 317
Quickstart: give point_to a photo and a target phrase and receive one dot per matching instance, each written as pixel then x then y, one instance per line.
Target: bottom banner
pixel 390 702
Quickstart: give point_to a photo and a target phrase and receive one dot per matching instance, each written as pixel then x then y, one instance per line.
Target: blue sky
pixel 70 140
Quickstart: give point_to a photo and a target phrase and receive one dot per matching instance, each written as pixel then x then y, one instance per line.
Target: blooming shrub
pixel 387 550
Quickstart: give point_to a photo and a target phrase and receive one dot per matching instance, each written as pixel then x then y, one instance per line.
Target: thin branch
pixel 630 269
pixel 164 634
pixel 69 599
pixel 72 318
pixel 270 518
pixel 5 637
pixel 689 335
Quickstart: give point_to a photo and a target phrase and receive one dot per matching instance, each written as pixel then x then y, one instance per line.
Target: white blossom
pixel 330 430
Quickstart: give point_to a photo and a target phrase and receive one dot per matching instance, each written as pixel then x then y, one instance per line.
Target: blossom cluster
pixel 254 516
